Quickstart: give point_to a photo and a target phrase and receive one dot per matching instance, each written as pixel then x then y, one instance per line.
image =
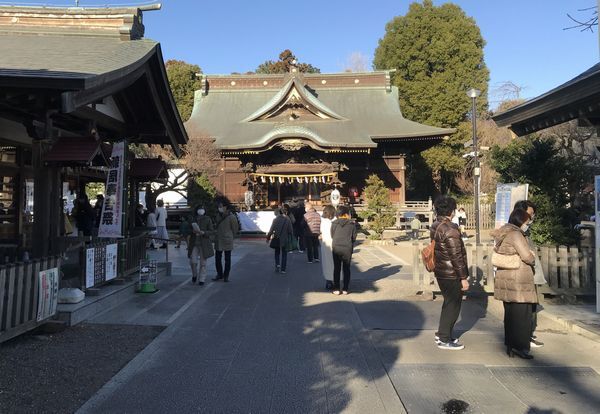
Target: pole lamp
pixel 474 94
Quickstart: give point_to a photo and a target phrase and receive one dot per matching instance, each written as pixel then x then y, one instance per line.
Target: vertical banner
pixel 47 293
pixel 89 267
pixel 112 209
pixel 111 261
pixel 597 244
pixel 506 197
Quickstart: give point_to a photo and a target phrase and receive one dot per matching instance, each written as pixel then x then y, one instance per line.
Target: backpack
pixel 428 253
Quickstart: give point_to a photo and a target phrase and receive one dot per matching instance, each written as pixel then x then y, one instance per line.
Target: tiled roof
pixel 148 169
pixel 360 112
pixel 76 151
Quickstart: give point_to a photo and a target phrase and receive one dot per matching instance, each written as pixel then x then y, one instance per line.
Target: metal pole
pixel 476 171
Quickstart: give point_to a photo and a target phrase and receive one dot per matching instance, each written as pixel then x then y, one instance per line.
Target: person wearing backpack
pixel 343 236
pixel 450 270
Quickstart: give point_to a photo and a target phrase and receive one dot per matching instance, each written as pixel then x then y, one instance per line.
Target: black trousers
pixel 338 263
pixel 280 251
pixel 533 319
pixel 219 264
pixel 517 325
pixel 312 246
pixel 452 293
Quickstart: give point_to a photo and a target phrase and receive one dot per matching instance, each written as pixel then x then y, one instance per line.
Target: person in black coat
pixel 299 224
pixel 343 234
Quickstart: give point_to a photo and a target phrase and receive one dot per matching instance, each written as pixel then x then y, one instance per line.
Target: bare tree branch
pixel 585 24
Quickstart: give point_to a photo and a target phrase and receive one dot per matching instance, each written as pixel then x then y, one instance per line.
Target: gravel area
pixel 57 373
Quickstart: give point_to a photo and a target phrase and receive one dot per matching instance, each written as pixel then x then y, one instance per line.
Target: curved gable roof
pixel 363 109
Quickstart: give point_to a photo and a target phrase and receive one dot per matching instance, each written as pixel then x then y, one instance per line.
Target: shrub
pixel 379 210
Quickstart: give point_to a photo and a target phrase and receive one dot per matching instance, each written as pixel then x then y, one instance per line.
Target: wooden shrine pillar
pixel 396 165
pixel 46 202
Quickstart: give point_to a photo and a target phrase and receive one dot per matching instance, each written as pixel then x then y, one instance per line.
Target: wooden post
pixel 28 285
pixel 575 265
pixel 480 264
pixel 552 268
pixel 19 275
pixel 2 293
pixel 10 273
pixel 586 267
pixel 416 262
pixel 564 266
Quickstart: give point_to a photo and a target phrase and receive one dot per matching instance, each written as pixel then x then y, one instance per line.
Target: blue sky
pixel 526 43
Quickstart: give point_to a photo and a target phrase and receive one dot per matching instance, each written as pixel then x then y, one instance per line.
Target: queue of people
pixel 515 276
pixel 328 239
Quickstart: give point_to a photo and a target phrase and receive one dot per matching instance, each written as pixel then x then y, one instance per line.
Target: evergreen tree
pixel 437 53
pixel 183 82
pixel 551 174
pixel 201 191
pixel 283 65
pixel 379 210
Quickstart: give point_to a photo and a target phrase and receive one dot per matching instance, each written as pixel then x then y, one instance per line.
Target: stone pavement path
pixel 268 342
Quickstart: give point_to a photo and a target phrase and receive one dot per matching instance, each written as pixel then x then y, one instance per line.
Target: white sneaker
pixel 437 340
pixel 317 260
pixel 450 346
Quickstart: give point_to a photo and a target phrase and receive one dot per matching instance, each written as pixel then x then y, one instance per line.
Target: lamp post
pixel 473 94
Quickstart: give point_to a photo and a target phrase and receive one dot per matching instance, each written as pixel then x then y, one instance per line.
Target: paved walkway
pixel 267 342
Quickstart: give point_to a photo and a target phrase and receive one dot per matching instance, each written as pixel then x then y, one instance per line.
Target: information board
pixel 47 293
pixel 506 197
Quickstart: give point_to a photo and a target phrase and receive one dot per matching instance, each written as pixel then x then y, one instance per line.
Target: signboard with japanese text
pixel 47 293
pixel 111 261
pixel 112 209
pixel 506 197
pixel 89 268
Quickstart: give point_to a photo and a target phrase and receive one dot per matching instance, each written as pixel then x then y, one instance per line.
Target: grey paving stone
pixel 425 388
pixel 544 389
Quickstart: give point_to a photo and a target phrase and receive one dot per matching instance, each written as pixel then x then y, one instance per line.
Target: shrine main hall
pixel 297 135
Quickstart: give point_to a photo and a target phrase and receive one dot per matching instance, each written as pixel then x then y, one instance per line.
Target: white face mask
pixel 200 211
pixel 525 227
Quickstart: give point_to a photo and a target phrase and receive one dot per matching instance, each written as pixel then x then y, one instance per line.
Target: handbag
pixel 505 261
pixel 428 253
pixel 276 241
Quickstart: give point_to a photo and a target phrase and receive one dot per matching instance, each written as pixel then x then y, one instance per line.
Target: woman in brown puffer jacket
pixel 515 287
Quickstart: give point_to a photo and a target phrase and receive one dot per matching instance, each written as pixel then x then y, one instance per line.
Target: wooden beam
pixel 73 100
pixel 161 111
pixel 101 119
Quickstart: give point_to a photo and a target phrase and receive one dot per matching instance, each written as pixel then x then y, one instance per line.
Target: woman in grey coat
pixel 281 233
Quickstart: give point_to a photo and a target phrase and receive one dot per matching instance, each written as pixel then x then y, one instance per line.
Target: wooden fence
pixel 568 270
pixel 19 296
pixel 486 214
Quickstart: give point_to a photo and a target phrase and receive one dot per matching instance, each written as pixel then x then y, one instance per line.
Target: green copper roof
pixel 83 60
pixel 359 117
